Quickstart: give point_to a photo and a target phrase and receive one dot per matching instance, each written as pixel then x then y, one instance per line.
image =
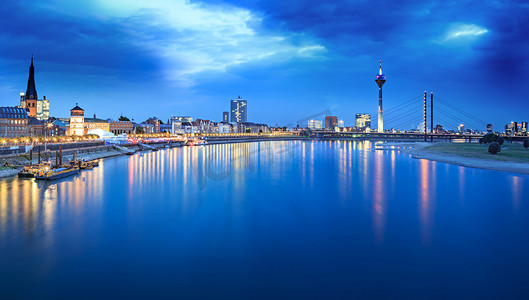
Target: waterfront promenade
pixel 409 143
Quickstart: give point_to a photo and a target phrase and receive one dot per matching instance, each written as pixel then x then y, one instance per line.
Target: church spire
pixel 31 91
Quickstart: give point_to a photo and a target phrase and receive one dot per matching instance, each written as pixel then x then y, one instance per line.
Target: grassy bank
pixel 509 152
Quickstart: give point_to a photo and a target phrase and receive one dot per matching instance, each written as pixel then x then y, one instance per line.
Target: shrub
pixel 525 143
pixel 490 137
pixel 481 141
pixel 494 148
pixel 500 140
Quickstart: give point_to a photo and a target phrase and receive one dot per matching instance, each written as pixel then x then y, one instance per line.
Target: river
pixel 267 220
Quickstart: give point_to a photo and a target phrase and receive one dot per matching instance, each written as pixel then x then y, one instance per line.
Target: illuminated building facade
pixel 315 124
pixel 155 122
pixel 95 123
pixel 239 110
pixel 76 121
pixel 461 128
pixel 331 122
pixel 363 121
pixel 120 127
pixel 36 108
pixel 489 128
pixel 226 116
pixel 13 122
pixel 180 119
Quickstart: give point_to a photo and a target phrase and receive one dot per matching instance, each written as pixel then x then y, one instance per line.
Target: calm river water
pixel 268 220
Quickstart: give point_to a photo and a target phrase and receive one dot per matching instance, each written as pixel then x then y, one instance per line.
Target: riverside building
pixel 13 122
pixel 331 122
pixel 314 124
pixel 363 121
pixel 120 127
pixel 76 121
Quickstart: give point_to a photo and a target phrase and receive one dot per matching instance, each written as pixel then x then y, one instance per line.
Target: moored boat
pixel 85 165
pixel 29 171
pixel 46 172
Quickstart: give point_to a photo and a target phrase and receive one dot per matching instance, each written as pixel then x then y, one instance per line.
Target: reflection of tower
pixel 380 80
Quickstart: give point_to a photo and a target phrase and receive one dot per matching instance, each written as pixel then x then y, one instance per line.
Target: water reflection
pixel 379 201
pixel 516 192
pixel 427 199
pixel 375 185
pixel 31 208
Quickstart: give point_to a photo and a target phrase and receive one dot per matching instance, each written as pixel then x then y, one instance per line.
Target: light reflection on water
pixel 244 206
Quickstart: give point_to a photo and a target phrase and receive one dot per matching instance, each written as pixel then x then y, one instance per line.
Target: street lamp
pixel 48 125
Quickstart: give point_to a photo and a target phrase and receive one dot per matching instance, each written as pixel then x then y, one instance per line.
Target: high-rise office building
pixel 37 108
pixel 489 128
pixel 508 129
pixel 331 122
pixel 461 128
pixel 239 110
pixel 363 121
pixel 524 128
pixel 315 124
pixel 226 117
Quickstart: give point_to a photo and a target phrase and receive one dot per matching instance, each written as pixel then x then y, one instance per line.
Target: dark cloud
pixel 410 36
pixel 67 40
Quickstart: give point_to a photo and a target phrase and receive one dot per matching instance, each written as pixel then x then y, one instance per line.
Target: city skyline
pixel 302 67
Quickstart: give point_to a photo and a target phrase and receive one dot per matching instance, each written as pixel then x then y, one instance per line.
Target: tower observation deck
pixel 380 79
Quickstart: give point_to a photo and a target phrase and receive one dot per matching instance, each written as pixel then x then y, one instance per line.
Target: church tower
pixel 31 92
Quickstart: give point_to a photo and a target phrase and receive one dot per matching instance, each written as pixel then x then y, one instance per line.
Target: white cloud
pixel 458 31
pixel 193 38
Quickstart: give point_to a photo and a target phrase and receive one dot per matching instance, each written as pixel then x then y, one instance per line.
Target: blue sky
pixel 289 59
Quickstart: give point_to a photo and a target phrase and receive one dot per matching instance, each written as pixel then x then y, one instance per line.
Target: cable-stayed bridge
pixel 424 117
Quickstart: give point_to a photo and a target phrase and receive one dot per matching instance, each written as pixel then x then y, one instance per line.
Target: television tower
pixel 380 80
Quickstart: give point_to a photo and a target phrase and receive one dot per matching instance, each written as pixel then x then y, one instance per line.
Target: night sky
pixel 289 59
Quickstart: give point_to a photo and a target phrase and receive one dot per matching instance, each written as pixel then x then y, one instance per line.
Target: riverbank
pixel 512 158
pixel 17 162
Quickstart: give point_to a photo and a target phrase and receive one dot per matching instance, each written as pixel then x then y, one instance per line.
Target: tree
pixel 123 118
pixel 481 141
pixel 139 130
pixel 500 140
pixel 490 137
pixel 306 133
pixel 494 148
pixel 525 143
pixel 248 130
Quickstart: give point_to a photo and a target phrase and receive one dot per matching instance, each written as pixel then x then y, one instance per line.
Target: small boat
pixel 48 173
pixel 29 171
pixel 95 163
pixel 85 165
